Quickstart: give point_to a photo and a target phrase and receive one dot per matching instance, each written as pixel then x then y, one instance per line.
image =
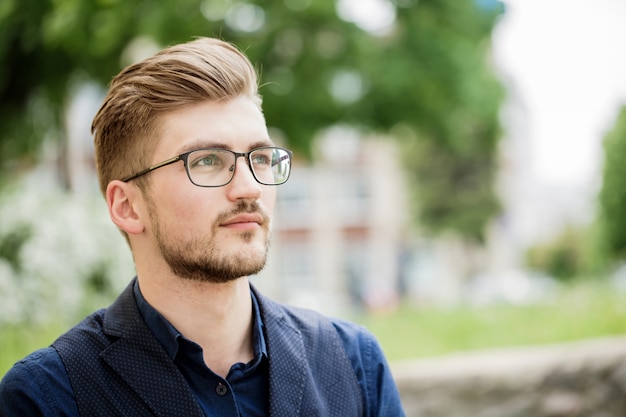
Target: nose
pixel 243 185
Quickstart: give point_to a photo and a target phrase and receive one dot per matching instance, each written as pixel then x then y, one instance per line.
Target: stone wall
pixel 583 379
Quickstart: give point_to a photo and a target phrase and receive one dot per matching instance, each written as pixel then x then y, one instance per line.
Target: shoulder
pixel 353 336
pixel 360 344
pixel 371 368
pixel 37 385
pixel 362 349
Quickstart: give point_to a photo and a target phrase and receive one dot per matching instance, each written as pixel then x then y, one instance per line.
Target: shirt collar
pixel 170 338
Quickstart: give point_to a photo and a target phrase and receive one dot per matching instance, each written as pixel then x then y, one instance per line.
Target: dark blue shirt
pixel 244 392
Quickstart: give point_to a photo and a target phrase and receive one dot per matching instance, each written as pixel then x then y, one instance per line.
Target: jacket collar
pixel 285 348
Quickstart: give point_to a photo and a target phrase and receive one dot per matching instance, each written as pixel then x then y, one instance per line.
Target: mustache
pixel 244 207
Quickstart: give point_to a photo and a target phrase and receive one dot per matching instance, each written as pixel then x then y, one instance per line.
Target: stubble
pixel 203 259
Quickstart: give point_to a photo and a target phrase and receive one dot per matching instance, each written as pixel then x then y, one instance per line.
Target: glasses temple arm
pixel 152 168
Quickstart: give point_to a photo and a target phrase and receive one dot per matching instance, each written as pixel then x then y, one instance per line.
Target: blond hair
pixel 192 72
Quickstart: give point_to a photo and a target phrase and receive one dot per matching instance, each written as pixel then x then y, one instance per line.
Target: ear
pixel 122 200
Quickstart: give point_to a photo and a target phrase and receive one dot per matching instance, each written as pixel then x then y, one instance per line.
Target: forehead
pixel 237 124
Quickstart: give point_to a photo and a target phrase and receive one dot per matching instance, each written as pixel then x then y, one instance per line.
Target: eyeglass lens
pixel 216 167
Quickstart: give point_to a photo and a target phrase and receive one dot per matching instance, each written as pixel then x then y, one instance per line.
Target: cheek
pixel 183 205
pixel 269 200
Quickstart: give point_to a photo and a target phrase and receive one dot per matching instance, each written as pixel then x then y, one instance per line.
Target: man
pixel 189 173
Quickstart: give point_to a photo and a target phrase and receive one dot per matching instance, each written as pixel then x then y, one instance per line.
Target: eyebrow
pixel 204 144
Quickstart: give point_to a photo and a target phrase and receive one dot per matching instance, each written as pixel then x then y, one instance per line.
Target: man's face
pixel 210 234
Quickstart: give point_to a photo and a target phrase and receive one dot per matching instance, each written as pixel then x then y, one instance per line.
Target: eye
pixel 262 158
pixel 206 159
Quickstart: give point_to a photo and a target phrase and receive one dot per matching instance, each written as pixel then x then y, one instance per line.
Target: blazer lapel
pixel 287 364
pixel 143 364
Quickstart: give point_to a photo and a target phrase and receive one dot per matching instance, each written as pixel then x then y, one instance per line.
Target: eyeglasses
pixel 216 167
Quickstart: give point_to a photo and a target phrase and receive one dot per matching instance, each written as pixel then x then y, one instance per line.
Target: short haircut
pixel 193 72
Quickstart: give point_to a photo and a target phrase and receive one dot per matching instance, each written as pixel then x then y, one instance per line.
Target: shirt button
pixel 221 389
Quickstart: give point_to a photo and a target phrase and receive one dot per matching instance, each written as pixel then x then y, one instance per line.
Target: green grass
pixel 581 311
pixel 18 341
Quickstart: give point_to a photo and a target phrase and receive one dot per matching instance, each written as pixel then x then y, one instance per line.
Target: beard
pixel 203 259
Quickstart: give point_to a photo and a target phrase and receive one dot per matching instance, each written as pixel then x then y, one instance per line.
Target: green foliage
pixel 50 267
pixel 433 78
pixel 47 43
pixel 452 192
pixel 430 74
pixel 11 245
pixel 559 258
pixel 612 199
pixel 570 255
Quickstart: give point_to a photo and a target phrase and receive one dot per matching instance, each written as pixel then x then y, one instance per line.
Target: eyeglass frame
pixel 185 156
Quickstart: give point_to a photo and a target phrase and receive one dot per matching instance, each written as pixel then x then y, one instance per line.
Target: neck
pixel 216 316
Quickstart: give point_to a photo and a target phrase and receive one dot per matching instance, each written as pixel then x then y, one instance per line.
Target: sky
pixel 567 62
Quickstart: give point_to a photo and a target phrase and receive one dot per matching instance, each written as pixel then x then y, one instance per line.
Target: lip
pixel 247 220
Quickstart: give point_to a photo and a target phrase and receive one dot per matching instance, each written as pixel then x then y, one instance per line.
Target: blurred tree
pixel 565 257
pixel 45 45
pixel 427 80
pixel 612 199
pixel 435 82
